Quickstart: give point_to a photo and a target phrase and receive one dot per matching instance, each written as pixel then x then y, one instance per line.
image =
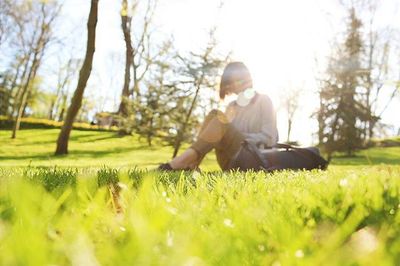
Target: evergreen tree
pixel 342 103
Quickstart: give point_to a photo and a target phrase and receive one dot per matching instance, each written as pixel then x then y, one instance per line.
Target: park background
pixel 78 178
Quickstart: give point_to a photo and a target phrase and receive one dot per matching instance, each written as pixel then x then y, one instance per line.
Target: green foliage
pixel 344 106
pixel 337 217
pixel 5 95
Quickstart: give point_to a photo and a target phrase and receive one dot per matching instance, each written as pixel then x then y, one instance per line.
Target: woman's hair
pixel 234 72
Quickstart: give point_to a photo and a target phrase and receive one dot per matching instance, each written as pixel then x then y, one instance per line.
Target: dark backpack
pixel 279 157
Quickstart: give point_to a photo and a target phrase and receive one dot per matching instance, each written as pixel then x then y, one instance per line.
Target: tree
pixel 6 21
pixel 126 21
pixel 151 114
pixel 84 74
pixel 43 16
pixel 140 55
pixel 290 101
pixel 58 101
pixel 343 107
pixel 199 71
pixel 379 49
pixel 377 64
pixel 5 96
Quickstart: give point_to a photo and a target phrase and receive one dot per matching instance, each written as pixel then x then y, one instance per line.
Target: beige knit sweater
pixel 255 119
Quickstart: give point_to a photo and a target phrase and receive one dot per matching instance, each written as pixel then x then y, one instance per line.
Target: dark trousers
pixel 217 132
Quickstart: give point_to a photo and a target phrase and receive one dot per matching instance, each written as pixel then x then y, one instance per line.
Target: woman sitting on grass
pixel 251 117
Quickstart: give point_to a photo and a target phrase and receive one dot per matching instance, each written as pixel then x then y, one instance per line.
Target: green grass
pixel 372 156
pixel 36 147
pixel 338 217
pixel 100 206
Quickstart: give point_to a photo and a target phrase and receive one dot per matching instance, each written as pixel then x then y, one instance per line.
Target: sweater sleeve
pixel 269 133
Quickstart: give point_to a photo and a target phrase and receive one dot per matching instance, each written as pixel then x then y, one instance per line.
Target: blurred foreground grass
pixel 75 210
pixel 90 216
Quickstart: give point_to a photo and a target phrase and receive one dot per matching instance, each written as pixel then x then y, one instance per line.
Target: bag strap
pixel 277 145
pixel 253 148
pixel 284 146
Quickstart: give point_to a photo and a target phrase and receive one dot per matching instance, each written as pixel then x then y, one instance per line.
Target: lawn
pixel 86 149
pixel 97 208
pixel 36 147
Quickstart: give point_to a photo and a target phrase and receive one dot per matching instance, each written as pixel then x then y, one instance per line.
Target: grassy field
pixel 86 149
pixel 97 208
pixel 36 147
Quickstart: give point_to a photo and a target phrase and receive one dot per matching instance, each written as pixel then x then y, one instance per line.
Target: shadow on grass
pixel 93 137
pixel 74 154
pixel 78 139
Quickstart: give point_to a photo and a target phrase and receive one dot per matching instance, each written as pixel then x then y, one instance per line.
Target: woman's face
pixel 236 87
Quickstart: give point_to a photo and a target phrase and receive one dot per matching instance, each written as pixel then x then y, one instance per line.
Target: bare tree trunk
pixel 179 137
pixel 321 121
pixel 25 93
pixel 331 138
pixel 63 107
pixel 13 85
pixel 135 91
pixel 289 129
pixel 37 49
pixel 26 104
pixel 126 29
pixel 53 104
pixel 63 90
pixel 51 110
pixel 84 74
pixel 19 93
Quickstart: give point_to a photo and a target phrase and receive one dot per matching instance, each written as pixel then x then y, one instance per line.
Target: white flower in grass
pixel 261 248
pixel 364 241
pixel 170 239
pixel 228 223
pixel 164 194
pixel 123 229
pixel 343 182
pixel 196 175
pixel 122 186
pixel 168 200
pixel 299 253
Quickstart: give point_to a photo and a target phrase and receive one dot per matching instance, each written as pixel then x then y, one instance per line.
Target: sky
pixel 284 43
